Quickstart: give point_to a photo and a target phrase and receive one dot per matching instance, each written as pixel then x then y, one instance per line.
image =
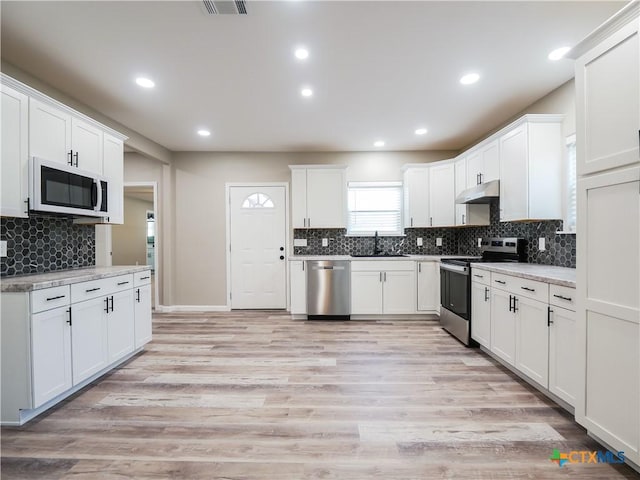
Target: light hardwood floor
pixel 257 395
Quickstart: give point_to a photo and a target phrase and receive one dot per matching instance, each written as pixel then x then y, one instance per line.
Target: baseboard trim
pixel 192 308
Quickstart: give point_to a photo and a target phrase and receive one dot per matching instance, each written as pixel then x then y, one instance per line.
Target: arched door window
pixel 258 200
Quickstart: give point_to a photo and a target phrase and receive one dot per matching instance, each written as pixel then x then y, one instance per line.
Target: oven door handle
pixel 454 268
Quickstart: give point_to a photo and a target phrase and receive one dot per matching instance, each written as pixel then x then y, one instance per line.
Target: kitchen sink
pixel 380 255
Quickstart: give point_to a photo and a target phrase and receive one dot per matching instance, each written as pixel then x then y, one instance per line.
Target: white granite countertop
pixel 542 273
pixel 38 281
pixel 427 258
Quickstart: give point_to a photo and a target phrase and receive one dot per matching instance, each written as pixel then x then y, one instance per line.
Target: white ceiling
pixel 379 69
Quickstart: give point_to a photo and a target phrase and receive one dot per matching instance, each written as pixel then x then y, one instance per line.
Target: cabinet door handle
pixel 412 221
pixel 138 296
pixel 55 298
pixel 70 162
pixel 510 301
pixel 76 155
pixel 477 179
pixel 69 320
pixel 528 289
pixel 304 223
pixel 549 321
pixel 500 282
pixel 419 268
pixel 380 277
pixel 123 283
pixel 385 276
pixel 303 266
pixel 112 303
pixel 561 297
pixel 145 278
pixel 481 175
pixel 515 304
pixel 463 218
pixel 92 290
pixel 309 222
pixel 486 294
pixel 106 301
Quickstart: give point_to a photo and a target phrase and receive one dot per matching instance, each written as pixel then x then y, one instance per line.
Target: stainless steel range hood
pixel 483 193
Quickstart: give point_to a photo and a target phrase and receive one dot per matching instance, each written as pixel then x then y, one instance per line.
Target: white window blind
pixel 375 206
pixel 571 199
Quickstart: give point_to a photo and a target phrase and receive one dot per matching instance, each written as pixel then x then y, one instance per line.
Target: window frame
pixel 396 185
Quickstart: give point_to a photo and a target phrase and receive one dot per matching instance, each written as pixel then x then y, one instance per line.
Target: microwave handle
pixel 98 197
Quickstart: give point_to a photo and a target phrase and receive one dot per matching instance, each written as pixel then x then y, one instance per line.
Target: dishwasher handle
pixel 331 267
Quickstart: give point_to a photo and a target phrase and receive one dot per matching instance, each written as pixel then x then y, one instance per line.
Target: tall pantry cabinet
pixel 608 232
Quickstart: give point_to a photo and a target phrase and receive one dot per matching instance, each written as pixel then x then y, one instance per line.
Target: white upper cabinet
pixel 318 196
pixel 467 214
pixel 531 169
pixel 86 146
pixel 14 162
pixel 49 132
pixel 113 170
pixel 442 195
pixel 416 196
pixel 608 106
pixel 483 164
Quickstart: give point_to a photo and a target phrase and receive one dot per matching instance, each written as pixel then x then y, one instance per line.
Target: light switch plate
pixel 325 242
pixel 542 244
pixel 299 242
pixel 3 248
pixel 438 242
pixel 479 242
pixel 419 241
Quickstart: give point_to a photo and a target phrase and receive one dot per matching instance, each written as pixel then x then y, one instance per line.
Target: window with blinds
pixel 375 207
pixel 570 216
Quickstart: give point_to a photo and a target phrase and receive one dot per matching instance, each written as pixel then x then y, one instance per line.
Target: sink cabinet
pixel 383 287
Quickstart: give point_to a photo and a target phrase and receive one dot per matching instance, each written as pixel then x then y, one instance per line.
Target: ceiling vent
pixel 224 7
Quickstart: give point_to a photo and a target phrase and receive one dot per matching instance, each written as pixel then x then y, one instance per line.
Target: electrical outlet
pixel 3 248
pixel 479 242
pixel 419 241
pixel 542 244
pixel 438 242
pixel 325 242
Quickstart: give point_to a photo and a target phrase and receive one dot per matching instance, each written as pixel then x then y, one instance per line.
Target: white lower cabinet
pixel 120 325
pixel 88 338
pixel 563 374
pixel 481 318
pixel 298 287
pixel 57 339
pixel 383 287
pixel 532 339
pixel 51 347
pixel 503 326
pixel 142 315
pixel 428 286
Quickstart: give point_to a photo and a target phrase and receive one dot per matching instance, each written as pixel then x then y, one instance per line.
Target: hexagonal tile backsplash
pixel 43 243
pixel 561 249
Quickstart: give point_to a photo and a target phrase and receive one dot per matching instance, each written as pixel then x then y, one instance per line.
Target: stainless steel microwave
pixel 60 188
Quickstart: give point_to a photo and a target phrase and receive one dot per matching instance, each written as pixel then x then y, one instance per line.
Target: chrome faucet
pixel 377 250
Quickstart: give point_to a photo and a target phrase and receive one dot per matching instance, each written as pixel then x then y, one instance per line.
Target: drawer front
pixel 97 288
pixel 531 289
pixel 383 265
pixel 505 282
pixel 49 298
pixel 562 297
pixel 141 278
pixel 480 276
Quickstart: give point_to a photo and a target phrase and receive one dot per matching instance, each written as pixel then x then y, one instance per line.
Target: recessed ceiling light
pixel 470 78
pixel 306 92
pixel 204 133
pixel 145 82
pixel 421 131
pixel 301 53
pixel 378 143
pixel 558 53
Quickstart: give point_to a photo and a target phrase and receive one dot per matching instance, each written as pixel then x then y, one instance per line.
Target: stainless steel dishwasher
pixel 328 289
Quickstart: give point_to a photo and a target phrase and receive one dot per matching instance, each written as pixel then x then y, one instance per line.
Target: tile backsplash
pixel 560 249
pixel 43 243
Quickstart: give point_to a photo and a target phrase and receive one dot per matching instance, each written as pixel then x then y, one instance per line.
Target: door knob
pixel 281 257
pixel 282 249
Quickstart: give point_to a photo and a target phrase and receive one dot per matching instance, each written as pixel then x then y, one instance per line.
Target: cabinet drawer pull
pixel 145 278
pixel 500 281
pixel 55 298
pixel 561 297
pixel 528 289
pixel 479 276
pixel 486 294
pixel 138 296
pixel 123 283
pixel 92 290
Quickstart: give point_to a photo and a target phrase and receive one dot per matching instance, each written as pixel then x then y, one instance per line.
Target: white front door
pixel 258 258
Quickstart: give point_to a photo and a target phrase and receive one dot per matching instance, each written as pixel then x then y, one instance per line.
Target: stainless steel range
pixel 455 283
